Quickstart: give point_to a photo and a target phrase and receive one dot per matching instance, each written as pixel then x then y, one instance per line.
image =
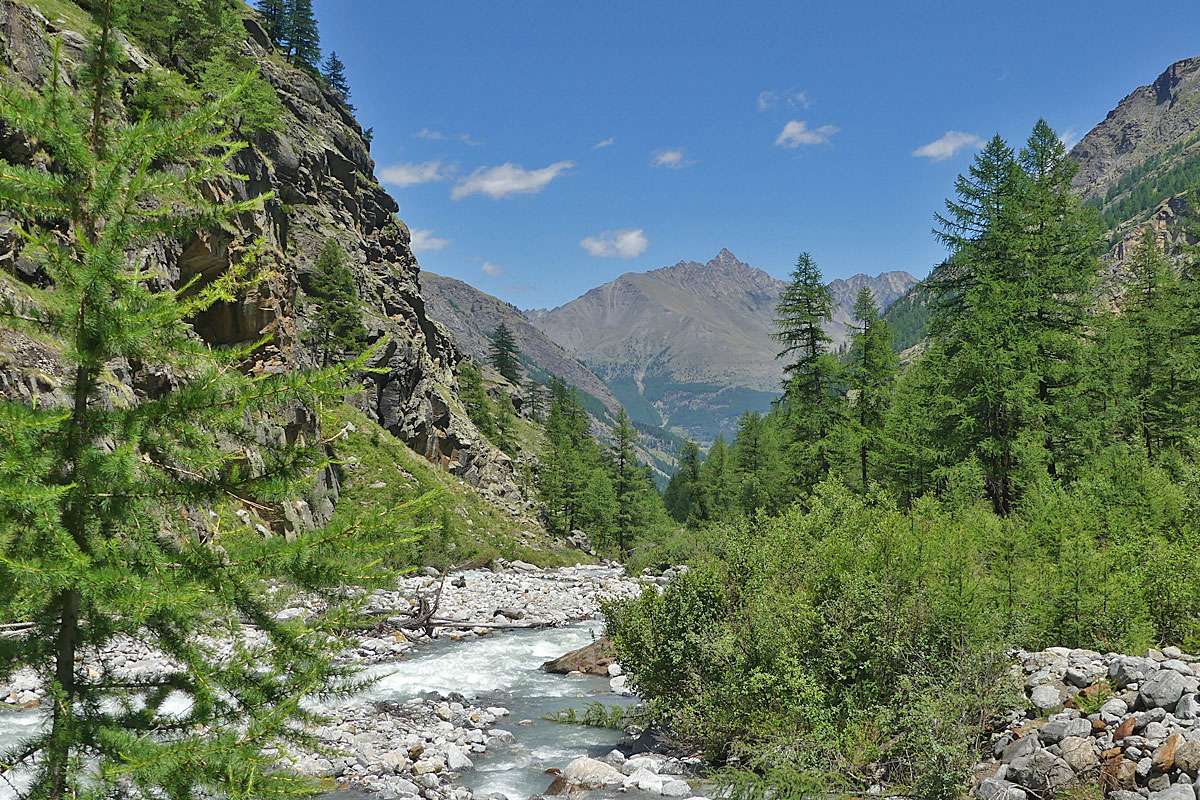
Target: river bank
pixel 461 713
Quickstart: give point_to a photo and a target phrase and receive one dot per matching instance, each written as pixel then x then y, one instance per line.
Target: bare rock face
pixel 1147 122
pixel 319 168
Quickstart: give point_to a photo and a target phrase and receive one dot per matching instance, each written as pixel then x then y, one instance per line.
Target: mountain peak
pixel 724 258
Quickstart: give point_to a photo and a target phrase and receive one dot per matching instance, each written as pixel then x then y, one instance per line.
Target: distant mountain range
pixel 686 348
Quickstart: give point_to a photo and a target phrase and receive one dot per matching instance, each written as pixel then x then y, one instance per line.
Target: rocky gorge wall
pixel 318 167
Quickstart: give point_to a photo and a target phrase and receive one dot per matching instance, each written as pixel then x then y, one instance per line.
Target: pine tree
pixel 98 542
pixel 872 373
pixel 573 481
pixel 1010 312
pixel 535 400
pixel 334 73
pixel 627 482
pixel 505 356
pixel 474 397
pixel 275 15
pixel 337 329
pixel 302 39
pixel 506 424
pixel 680 495
pixel 1150 352
pixel 809 390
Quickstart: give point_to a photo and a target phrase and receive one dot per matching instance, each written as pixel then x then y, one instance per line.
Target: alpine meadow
pixel 414 448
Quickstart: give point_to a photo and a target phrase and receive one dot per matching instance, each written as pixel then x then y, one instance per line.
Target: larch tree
pixel 505 355
pixel 628 483
pixel 274 14
pixel 334 73
pixel 810 369
pixel 301 36
pixel 337 330
pixel 872 373
pixel 98 539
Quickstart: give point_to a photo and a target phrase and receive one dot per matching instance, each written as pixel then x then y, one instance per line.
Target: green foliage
pixel 336 330
pixel 334 73
pixel 856 633
pixel 259 110
pixel 598 715
pixel 300 37
pixel 505 356
pixel 98 542
pixel 811 400
pixel 474 397
pixel 573 478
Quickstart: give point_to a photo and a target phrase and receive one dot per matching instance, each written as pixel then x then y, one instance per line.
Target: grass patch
pixel 379 471
pixel 64 14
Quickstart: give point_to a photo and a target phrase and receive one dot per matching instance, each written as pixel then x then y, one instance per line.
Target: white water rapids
pixel 502 669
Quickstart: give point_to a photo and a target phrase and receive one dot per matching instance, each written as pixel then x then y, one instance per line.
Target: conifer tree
pixel 97 542
pixel 337 329
pixel 681 489
pixel 809 390
pixel 474 397
pixel 627 482
pixel 535 399
pixel 301 37
pixel 1010 311
pixel 506 422
pixel 275 15
pixel 505 356
pixel 872 373
pixel 573 480
pixel 1152 352
pixel 334 73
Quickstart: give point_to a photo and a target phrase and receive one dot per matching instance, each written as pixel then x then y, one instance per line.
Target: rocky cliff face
pixel 318 166
pixel 1147 123
pixel 690 346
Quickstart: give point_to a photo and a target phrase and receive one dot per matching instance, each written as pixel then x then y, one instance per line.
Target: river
pixel 503 669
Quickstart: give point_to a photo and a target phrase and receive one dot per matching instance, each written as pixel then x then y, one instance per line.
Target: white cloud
pixel 493 270
pixel 948 145
pixel 1069 138
pixel 671 158
pixel 441 136
pixel 797 133
pixel 624 243
pixel 413 174
pixel 769 98
pixel 603 143
pixel 424 241
pixel 509 178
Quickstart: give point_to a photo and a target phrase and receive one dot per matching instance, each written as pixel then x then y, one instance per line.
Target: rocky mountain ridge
pixel 317 164
pixel 690 346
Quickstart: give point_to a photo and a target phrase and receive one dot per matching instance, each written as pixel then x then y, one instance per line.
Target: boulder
pixel 646 780
pixel 1042 771
pixel 456 759
pixel 1163 758
pixel 1079 753
pixel 1057 730
pixel 674 787
pixel 1178 791
pixel 1125 729
pixel 1024 746
pixel 1187 707
pixel 589 773
pixel 1187 757
pixel 1046 697
pixel 592 659
pixel 994 789
pixel 1118 774
pixel 1163 689
pixel 1129 669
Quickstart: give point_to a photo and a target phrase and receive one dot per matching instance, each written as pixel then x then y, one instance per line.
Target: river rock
pixel 1042 772
pixel 1178 791
pixel 995 789
pixel 1129 669
pixel 1079 753
pixel 1163 689
pixel 592 659
pixel 1057 730
pixel 1046 697
pixel 589 773
pixel 456 759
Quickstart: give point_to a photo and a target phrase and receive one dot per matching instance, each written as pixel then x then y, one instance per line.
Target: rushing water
pixel 503 669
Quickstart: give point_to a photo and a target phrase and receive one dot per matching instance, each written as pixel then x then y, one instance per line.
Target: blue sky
pixel 541 148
